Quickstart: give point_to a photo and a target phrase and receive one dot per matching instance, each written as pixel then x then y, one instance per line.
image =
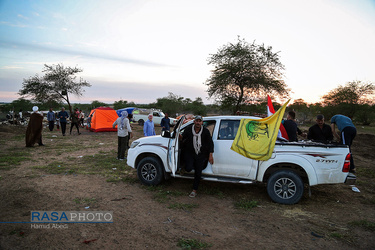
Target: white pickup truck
pixel 141 115
pixel 292 165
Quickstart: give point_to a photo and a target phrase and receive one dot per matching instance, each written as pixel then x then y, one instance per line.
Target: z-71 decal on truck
pixel 292 166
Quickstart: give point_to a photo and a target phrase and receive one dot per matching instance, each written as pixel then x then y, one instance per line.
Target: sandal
pixel 193 194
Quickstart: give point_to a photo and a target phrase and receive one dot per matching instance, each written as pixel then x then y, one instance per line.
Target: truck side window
pixel 210 125
pixel 228 129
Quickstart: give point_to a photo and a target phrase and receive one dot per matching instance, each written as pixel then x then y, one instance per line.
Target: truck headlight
pixel 134 144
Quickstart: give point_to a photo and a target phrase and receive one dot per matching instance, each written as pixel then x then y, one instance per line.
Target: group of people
pixel 196 141
pixel 149 126
pixel 61 118
pixel 197 144
pixel 35 125
pixel 321 132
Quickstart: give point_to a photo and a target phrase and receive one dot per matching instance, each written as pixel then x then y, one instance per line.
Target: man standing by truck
pixel 165 123
pixel 149 126
pixel 197 150
pixel 348 133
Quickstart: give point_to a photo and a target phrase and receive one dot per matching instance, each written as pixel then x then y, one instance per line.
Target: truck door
pixel 173 156
pixel 228 162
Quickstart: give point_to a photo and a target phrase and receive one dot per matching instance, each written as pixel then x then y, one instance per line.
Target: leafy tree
pixel 56 85
pixel 348 99
pixel 365 114
pixel 243 72
pixel 171 104
pixel 97 104
pixel 354 92
pixel 301 109
pixel 17 105
pixel 120 104
pixel 197 107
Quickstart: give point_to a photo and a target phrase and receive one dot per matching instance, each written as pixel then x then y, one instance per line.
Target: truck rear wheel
pixel 141 122
pixel 149 171
pixel 285 187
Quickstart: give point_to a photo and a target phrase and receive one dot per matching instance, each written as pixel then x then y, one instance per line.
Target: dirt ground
pixel 334 217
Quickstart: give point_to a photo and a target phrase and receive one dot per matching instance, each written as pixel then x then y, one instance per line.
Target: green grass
pixel 365 129
pixel 246 204
pixel 192 244
pixel 113 179
pixel 213 191
pixel 12 158
pixel 103 163
pixel 161 195
pixel 183 206
pixel 364 224
pixel 130 179
pixel 85 201
pixel 369 173
pixel 337 235
pixel 56 168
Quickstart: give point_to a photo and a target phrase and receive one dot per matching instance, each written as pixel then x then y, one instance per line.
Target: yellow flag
pixel 256 139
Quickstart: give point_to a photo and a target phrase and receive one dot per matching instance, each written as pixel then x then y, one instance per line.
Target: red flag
pixel 271 111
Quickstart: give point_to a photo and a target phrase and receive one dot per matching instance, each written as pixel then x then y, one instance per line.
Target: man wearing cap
pixel 197 150
pixel 34 128
pixel 320 132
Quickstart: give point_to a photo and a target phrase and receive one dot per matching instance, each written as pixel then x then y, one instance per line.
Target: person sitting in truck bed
pixel 291 126
pixel 320 132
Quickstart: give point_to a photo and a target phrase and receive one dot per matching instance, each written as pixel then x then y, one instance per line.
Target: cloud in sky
pixel 143 49
pixel 67 50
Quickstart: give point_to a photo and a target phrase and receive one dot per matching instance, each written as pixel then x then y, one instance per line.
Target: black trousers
pixel 51 125
pixel 347 136
pixel 72 125
pixel 63 127
pixel 196 162
pixel 122 146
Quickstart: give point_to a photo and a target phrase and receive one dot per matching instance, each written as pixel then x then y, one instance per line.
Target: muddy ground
pixel 80 173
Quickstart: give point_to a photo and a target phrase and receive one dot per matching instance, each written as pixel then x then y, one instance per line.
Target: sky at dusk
pixel 140 50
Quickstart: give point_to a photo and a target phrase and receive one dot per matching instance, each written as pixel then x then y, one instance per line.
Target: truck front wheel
pixel 141 122
pixel 149 171
pixel 285 187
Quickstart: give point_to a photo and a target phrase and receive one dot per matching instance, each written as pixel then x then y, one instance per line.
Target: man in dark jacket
pixel 165 123
pixel 291 127
pixel 34 129
pixel 63 115
pixel 51 119
pixel 75 121
pixel 197 150
pixel 320 132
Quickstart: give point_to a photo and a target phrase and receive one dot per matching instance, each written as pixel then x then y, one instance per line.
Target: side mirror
pixel 166 134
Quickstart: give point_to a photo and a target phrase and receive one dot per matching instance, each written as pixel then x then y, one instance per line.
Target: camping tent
pixel 129 110
pixel 101 119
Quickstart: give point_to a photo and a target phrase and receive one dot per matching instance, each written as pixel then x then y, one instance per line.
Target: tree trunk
pixel 70 106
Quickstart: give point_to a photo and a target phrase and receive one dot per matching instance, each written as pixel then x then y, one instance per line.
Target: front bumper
pixel 130 158
pixel 350 179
